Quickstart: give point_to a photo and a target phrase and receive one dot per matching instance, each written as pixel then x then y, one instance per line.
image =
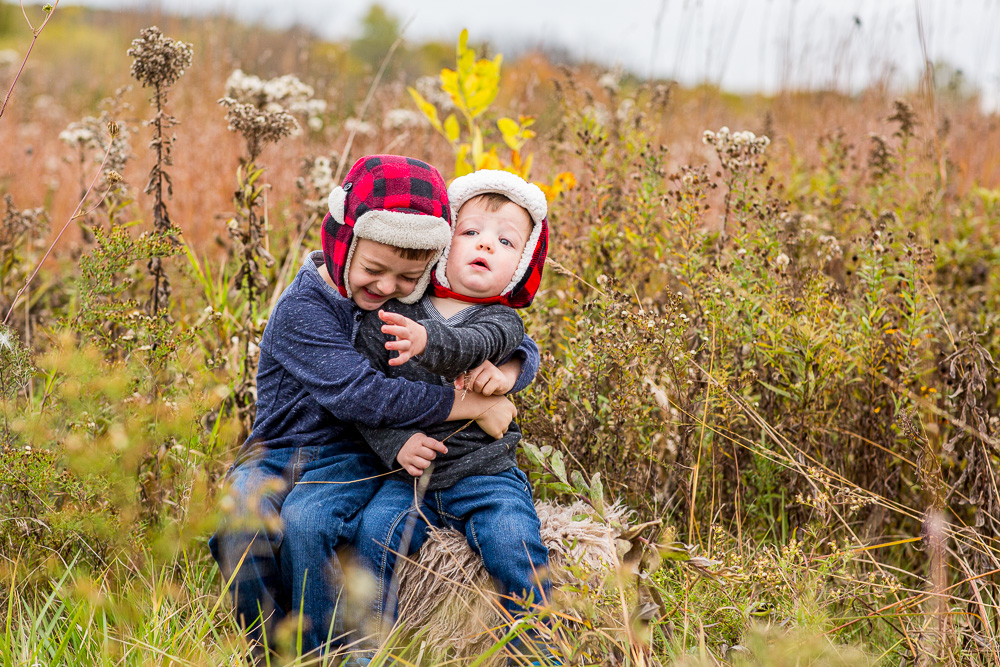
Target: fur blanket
pixel 446 592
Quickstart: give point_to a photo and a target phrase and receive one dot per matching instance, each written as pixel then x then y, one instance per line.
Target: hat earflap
pixel 337 202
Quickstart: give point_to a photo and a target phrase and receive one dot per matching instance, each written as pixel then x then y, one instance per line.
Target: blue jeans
pixel 289 530
pixel 494 512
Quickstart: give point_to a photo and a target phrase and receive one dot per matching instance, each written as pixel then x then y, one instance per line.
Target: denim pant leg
pixel 501 525
pixel 320 517
pixel 390 525
pixel 257 484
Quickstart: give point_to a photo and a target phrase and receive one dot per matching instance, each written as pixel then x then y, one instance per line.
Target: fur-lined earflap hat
pixel 395 200
pixel 528 275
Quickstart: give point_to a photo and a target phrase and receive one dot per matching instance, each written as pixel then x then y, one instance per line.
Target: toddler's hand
pixel 418 452
pixel 411 338
pixel 486 379
pixel 497 418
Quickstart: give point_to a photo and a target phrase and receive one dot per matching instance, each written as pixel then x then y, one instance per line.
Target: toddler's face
pixel 486 248
pixel 378 273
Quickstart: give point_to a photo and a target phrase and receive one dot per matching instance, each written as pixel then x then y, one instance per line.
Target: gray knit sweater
pixel 454 345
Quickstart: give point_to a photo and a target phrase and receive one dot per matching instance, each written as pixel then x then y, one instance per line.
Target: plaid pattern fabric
pixel 523 293
pixel 395 183
pixel 381 182
pixel 336 240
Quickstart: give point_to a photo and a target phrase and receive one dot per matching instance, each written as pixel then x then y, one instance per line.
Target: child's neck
pixel 449 307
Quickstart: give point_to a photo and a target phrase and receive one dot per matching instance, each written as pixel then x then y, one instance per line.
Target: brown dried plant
pixel 158 62
pixel 261 111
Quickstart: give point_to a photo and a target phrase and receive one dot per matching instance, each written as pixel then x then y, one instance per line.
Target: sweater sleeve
pixel 386 442
pixel 313 344
pixel 494 333
pixel 527 351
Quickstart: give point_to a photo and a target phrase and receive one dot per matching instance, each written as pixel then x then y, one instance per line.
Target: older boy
pixel 388 223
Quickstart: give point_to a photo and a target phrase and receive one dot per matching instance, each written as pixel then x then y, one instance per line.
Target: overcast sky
pixel 743 45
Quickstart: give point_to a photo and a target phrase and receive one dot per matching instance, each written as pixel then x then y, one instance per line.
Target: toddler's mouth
pixel 480 263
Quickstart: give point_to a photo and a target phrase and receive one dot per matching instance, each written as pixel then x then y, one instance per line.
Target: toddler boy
pixel 492 265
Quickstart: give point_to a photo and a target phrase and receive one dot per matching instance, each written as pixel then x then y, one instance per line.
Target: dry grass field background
pixel 781 355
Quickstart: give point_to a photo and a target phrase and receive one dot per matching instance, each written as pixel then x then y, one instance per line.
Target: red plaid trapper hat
pixel 527 277
pixel 395 200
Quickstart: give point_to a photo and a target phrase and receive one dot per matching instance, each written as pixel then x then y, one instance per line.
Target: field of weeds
pixel 769 329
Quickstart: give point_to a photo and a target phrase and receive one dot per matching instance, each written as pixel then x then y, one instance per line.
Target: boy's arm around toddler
pixel 311 342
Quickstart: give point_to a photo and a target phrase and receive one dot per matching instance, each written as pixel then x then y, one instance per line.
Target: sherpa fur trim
pixel 402 230
pixel 526 195
pixel 335 202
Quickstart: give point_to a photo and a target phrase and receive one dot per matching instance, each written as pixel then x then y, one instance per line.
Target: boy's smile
pixel 378 273
pixel 486 248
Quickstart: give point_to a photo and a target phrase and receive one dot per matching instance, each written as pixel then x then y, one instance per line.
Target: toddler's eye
pixel 506 242
pixel 469 232
pixel 371 272
pixel 408 279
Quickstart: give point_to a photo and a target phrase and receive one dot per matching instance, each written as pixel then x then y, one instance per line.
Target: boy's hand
pixel 497 418
pixel 486 379
pixel 418 452
pixel 411 338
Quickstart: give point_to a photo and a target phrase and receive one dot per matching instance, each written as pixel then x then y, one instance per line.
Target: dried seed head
pixel 113 128
pixel 904 115
pixel 158 60
pixel 113 177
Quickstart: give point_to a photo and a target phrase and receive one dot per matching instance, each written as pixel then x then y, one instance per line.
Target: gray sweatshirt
pixel 454 345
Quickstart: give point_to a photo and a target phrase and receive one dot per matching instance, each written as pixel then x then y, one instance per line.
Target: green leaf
pixel 559 467
pixel 781 392
pixel 579 482
pixel 532 452
pixel 597 493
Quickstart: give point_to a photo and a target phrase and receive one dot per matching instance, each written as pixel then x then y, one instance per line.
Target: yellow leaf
pixel 462 166
pixel 483 85
pixel 428 109
pixel 449 84
pixel 566 180
pixel 526 169
pixel 465 57
pixel 489 160
pixel 451 129
pixel 510 129
pixel 477 145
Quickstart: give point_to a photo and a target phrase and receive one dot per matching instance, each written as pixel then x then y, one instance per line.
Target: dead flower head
pixel 258 127
pixel 738 151
pixel 158 60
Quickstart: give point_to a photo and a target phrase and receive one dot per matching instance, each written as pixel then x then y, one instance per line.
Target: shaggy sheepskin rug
pixel 445 592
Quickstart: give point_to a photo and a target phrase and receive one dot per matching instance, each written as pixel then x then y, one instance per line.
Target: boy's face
pixel 486 248
pixel 377 274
